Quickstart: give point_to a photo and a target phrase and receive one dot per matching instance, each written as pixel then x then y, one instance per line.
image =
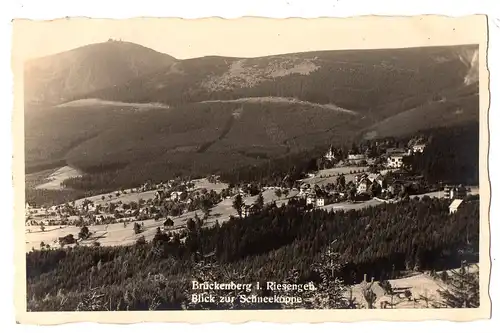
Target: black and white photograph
pixel 172 166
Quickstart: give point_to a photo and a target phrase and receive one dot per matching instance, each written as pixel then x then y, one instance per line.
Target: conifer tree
pixel 330 292
pixel 259 202
pixel 238 204
pixel 368 294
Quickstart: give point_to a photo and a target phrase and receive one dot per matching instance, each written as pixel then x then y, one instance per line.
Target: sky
pixel 247 37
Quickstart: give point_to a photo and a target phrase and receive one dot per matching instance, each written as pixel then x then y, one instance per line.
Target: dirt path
pixel 100 102
pixel 283 100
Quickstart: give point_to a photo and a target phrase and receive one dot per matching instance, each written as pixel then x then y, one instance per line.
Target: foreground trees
pixel 462 289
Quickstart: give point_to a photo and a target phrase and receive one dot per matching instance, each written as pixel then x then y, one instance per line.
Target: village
pixel 343 181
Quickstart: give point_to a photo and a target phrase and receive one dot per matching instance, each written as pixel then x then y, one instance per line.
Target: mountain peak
pixel 56 78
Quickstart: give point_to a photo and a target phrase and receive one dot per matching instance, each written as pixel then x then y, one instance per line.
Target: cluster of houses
pixel 388 183
pixel 318 197
pixel 163 186
pixel 179 196
pixel 172 196
pixel 51 216
pixel 394 156
pixel 385 184
pixel 352 158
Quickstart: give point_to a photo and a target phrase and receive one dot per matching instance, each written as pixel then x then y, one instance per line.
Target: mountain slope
pixel 450 108
pixel 55 78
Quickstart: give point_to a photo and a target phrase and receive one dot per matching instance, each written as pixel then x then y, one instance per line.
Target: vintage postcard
pixel 296 170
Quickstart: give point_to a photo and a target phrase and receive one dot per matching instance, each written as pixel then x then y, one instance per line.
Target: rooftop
pixel 456 203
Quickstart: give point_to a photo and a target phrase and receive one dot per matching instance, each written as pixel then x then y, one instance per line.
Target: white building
pixel 395 161
pixel 311 200
pixel 320 202
pixel 455 205
pixel 304 190
pixel 330 155
pixel 355 157
pixel 364 185
pixel 175 196
pixel 375 177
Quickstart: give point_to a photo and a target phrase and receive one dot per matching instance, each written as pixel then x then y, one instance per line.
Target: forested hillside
pixel 452 156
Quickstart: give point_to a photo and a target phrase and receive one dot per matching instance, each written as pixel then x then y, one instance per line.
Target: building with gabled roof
pixel 395 161
pixel 363 185
pixel 419 148
pixel 375 177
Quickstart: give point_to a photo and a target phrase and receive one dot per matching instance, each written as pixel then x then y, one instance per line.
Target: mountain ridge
pixel 215 77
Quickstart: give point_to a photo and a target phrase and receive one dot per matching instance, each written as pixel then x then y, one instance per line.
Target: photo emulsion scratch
pixel 299 170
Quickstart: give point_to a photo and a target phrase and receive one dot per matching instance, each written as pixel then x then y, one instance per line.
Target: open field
pixel 269 196
pixel 110 235
pixel 352 205
pixel 329 176
pixel 130 196
pixel 34 179
pixel 124 198
pixel 204 183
